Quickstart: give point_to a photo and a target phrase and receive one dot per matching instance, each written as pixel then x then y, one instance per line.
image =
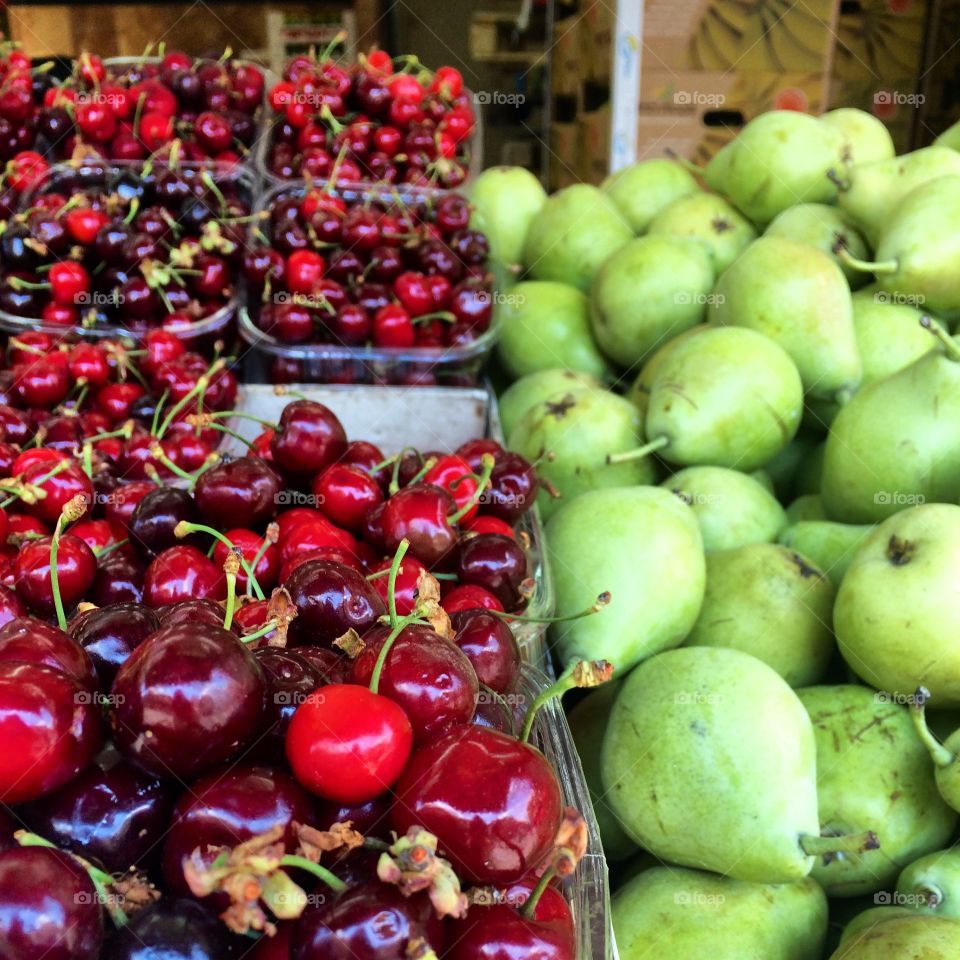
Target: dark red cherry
pixel 425 673
pixel 493 802
pixel 228 807
pixel 189 697
pixel 76 568
pixel 172 929
pixel 494 562
pixel 119 579
pixel 406 585
pixel 419 513
pixel 33 641
pixel 513 488
pixel 112 814
pixel 490 646
pixel 122 501
pixel 11 606
pixel 182 573
pixel 49 908
pixel 239 493
pixel 345 493
pixel 50 729
pixel 309 439
pixel 186 612
pixel 111 633
pixel 60 488
pixel 331 599
pixel 156 516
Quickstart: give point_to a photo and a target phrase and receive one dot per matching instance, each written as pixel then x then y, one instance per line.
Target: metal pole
pixel 625 93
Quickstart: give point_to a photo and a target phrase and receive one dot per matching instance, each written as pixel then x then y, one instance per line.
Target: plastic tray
pixel 429 419
pixel 335 363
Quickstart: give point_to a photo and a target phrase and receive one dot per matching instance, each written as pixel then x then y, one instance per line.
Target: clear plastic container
pixel 269 360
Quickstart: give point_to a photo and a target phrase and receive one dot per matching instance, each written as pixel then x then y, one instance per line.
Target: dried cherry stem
pixel 940 755
pixel 530 907
pixel 72 511
pixel 321 873
pixel 483 481
pixel 652 447
pixel 582 674
pixel 184 528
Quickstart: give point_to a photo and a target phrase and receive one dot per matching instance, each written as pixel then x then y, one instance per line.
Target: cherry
pixel 427 675
pixel 173 928
pixel 406 586
pixel 455 476
pixel 156 516
pixel 303 270
pixel 370 921
pixel 345 494
pixel 251 547
pixel 493 802
pixel 76 567
pixel 392 327
pixel 111 633
pixel 111 813
pixel 119 579
pixel 50 729
pixel 331 599
pixel 49 908
pixel 307 538
pixel 310 438
pixel 33 641
pixel 513 488
pixel 185 612
pixel 181 573
pixel 213 132
pixel 123 500
pixel 60 484
pixel 189 697
pixel 41 383
pixel 490 646
pixel 496 563
pixel 239 493
pixel 11 606
pixel 419 513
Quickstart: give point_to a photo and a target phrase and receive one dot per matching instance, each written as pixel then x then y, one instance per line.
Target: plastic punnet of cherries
pixel 270 707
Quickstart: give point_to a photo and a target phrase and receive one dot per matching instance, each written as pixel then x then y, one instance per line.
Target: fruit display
pixel 383 120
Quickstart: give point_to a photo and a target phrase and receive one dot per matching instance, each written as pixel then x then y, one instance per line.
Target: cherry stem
pixel 269 424
pixel 652 447
pixel 488 463
pixel 848 259
pixel 156 412
pixel 530 907
pixel 940 755
pixel 392 582
pixel 398 628
pixel 268 627
pixel 395 476
pixel 581 673
pixel 184 528
pixel 199 387
pixel 158 454
pixel 62 520
pixel 231 433
pixel 849 843
pixel 321 873
pixel 111 547
pixel 257 557
pixel 428 465
pixel 602 600
pixel 949 344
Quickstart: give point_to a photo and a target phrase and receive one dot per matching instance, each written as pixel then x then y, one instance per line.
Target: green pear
pixel 797 296
pixel 544 325
pixel 896 617
pixel 772 603
pixel 648 291
pixel 588 723
pixel 893 933
pixel 710 761
pixel 808 506
pixel 678 913
pixel 656 594
pixel 505 202
pixel 783 468
pixel 944 755
pixel 705 217
pixel 874 190
pixel 919 246
pixel 865 137
pixel 931 884
pixel 780 158
pixel 873 773
pixel 897 442
pixel 825 228
pixel 861 921
pixel 830 546
pixel 764 479
pixel 519 397
pixel 573 437
pixel 889 335
pixel 726 397
pixel 638 393
pixel 950 137
pixel 732 508
pixel 642 190
pixel 574 232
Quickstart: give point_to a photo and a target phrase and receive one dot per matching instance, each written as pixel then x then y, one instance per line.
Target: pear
pixel 807 506
pixel 764 479
pixel 647 292
pixel 897 617
pixel 780 158
pixel 874 190
pixel 588 723
pixel 825 228
pixel 642 190
pixel 944 755
pixel 705 217
pixel 656 595
pixel 638 393
pixel 678 913
pixel 897 442
pixel 865 137
pixel 505 202
pixel 919 246
pixel 574 232
pixel 772 603
pixel 574 437
pixel 889 335
pixel 519 397
pixel 726 397
pixel 873 773
pixel 709 761
pixel 544 324
pixel 732 508
pixel 830 546
pixel 797 296
pixel 892 933
pixel 931 884
pixel 950 137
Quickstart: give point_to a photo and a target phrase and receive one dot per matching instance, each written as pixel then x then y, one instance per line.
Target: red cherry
pixel 59 489
pixel 309 537
pixel 84 223
pixel 414 293
pixel 345 494
pixel 467 596
pixel 490 646
pixel 408 576
pixel 182 573
pixel 76 568
pixel 310 438
pixel 419 513
pixel 41 383
pixel 392 327
pixel 484 524
pixel 448 82
pixel 88 364
pixel 116 400
pixel 33 641
pixel 348 744
pixel 249 544
pixel 455 476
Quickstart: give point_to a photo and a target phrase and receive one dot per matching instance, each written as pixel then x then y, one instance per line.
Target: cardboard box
pixel 940 73
pixel 594 143
pixel 881 40
pixel 597 30
pixel 568 61
pixel 564 155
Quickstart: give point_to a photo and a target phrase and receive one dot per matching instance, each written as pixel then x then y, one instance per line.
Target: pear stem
pixel 580 673
pixel 881 266
pixel 940 755
pixel 652 447
pixel 602 600
pixel 949 344
pixel 851 843
pixel 684 162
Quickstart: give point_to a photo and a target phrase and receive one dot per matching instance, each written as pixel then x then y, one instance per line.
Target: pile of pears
pixel 741 387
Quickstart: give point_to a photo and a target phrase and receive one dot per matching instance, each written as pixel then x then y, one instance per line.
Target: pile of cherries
pixel 276 710
pixel 209 107
pixel 21 91
pixel 347 267
pixel 131 250
pixel 382 120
